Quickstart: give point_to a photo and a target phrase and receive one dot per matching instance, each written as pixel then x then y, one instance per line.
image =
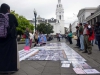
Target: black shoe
pixel 76 47
pixel 89 53
pixel 84 52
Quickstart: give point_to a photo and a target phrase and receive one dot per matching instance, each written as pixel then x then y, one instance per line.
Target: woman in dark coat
pixel 97 33
pixel 8 45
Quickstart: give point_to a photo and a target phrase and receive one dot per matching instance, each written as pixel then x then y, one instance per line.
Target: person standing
pixel 31 38
pixel 88 36
pixel 36 38
pixel 66 37
pixel 78 36
pixel 81 37
pixel 97 33
pixel 8 44
pixel 70 37
pixel 59 36
pixel 27 37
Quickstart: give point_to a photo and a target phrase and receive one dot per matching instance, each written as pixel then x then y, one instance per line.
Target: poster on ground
pixel 79 71
pixel 65 65
pixel 91 71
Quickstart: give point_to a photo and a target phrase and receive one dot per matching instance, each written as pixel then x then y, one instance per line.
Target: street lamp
pixel 47 28
pixel 35 14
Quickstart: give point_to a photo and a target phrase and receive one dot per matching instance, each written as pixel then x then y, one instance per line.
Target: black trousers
pixel 36 42
pixel 70 40
pixel 78 42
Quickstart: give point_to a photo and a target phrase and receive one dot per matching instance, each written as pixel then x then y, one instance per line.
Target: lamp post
pixel 47 28
pixel 35 14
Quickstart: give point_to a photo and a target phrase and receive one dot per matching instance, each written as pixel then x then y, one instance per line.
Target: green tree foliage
pixel 23 23
pixel 46 28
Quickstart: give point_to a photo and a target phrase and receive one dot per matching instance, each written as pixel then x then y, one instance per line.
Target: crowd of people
pixel 38 38
pixel 87 36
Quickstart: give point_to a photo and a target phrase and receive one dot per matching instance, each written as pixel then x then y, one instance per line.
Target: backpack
pixel 4 24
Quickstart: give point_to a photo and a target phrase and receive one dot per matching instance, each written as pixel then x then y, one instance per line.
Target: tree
pixel 23 23
pixel 46 28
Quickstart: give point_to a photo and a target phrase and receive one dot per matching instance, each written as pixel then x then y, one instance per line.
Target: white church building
pixel 58 23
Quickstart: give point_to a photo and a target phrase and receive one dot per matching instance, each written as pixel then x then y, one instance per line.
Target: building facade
pixel 74 26
pixel 94 17
pixel 84 13
pixel 58 23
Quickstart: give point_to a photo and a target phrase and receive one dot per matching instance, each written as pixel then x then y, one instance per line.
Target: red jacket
pixel 92 36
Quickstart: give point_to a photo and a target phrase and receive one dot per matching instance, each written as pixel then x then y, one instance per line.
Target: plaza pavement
pixel 54 67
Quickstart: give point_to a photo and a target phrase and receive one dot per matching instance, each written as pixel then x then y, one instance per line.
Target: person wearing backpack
pixel 8 41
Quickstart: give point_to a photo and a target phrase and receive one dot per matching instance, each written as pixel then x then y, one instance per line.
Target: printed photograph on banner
pixel 65 65
pixel 84 65
pixel 91 71
pixel 79 71
pixel 65 62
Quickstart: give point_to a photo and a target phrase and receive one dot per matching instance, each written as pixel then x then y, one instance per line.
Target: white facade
pixel 58 23
pixel 59 27
pixel 84 13
pixel 95 17
pixel 74 26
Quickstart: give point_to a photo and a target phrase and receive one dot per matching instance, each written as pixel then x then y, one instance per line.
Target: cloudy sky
pixel 47 8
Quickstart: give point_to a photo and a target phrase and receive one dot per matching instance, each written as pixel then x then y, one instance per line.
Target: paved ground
pixel 54 67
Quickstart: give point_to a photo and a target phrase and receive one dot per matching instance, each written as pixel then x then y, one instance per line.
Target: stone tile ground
pixel 54 67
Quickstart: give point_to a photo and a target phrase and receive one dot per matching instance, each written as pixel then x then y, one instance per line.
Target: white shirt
pixel 85 31
pixel 31 36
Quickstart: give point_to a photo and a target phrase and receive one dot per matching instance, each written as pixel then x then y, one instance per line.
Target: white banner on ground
pixel 79 71
pixel 25 54
pixel 65 65
pixel 65 62
pixel 91 71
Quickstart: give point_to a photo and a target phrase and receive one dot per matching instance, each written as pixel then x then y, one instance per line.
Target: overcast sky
pixel 47 8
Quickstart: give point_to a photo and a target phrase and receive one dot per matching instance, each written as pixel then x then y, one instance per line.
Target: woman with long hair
pixel 8 45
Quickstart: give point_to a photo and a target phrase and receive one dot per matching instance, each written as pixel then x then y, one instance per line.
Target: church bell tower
pixel 59 12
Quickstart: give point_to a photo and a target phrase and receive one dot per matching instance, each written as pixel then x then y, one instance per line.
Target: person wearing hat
pixel 88 36
pixel 77 34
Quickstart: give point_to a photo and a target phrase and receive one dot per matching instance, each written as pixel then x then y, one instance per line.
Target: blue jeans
pixel 27 42
pixel 81 42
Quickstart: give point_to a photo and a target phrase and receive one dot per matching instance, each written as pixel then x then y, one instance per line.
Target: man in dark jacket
pixel 97 33
pixel 81 37
pixel 78 38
